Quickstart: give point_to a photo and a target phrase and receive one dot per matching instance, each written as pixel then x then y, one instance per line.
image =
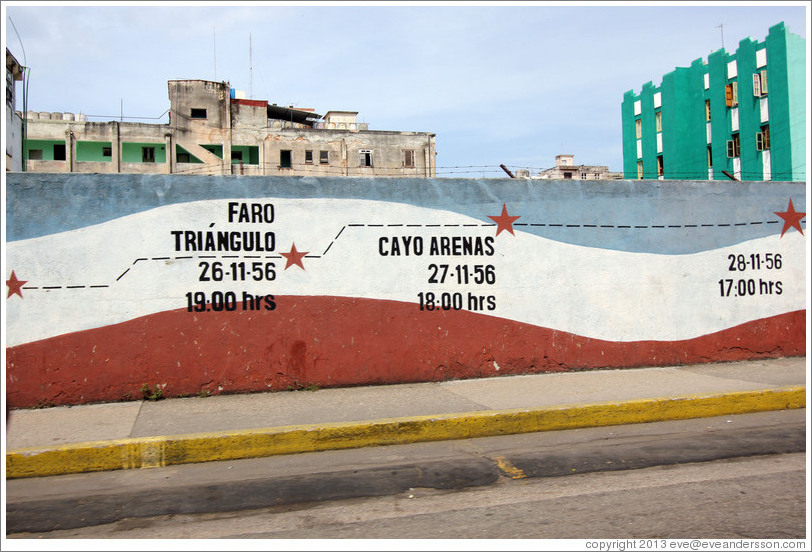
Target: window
pixel 763 138
pixel 35 154
pixel 710 158
pixel 640 170
pixel 148 155
pixel 59 152
pixel 583 175
pixel 760 83
pixel 309 157
pixel 285 161
pixel 198 113
pixel 732 94
pixel 216 149
pixel 567 176
pixel 638 128
pixel 184 158
pixel 707 110
pixel 236 155
pixel 9 89
pixel 324 157
pixel 734 147
pixel 659 165
pixel 408 158
pixel 107 152
pixel 365 158
pixel 658 119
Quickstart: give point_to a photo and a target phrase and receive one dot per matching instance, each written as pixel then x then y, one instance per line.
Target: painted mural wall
pixel 239 284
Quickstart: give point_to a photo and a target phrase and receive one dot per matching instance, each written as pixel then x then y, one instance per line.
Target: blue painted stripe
pixel 666 217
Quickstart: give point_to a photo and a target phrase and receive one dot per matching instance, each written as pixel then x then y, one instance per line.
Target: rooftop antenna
pixel 721 27
pixel 214 41
pixel 250 69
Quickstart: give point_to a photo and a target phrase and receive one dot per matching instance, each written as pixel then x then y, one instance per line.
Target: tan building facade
pixel 212 130
pixel 566 169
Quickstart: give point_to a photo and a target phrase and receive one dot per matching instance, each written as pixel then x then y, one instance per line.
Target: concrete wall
pixel 240 284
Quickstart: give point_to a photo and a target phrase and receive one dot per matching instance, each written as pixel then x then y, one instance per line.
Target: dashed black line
pixel 401 225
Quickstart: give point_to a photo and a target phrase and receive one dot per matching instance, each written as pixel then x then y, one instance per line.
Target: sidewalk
pixel 78 439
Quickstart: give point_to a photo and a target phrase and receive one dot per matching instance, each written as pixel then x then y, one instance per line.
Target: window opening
pixel 59 152
pixel 760 83
pixel 763 138
pixel 198 113
pixel 734 146
pixel 732 94
pixel 408 158
pixel 148 155
pixel 365 158
pixel 285 161
pixel 324 157
pixel 309 157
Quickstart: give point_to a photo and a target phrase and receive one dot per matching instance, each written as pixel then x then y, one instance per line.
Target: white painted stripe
pixel 592 292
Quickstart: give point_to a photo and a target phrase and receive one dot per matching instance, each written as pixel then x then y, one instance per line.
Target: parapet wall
pixel 122 283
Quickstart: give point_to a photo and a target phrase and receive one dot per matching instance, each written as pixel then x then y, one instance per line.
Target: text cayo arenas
pixel 438 245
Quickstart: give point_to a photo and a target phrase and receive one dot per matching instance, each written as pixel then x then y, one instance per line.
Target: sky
pixel 498 83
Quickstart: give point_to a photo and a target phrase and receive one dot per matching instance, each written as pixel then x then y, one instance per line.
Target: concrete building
pixel 14 123
pixel 566 169
pixel 214 130
pixel 741 113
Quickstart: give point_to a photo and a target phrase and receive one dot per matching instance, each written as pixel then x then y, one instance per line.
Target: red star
pixel 294 257
pixel 504 221
pixel 792 218
pixel 15 285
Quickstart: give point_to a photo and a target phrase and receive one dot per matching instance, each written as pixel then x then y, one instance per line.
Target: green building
pixel 740 115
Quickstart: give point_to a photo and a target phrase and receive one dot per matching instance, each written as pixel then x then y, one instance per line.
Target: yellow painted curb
pixel 151 452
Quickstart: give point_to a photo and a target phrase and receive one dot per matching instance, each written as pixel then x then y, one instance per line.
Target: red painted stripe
pixel 337 341
pixel 254 103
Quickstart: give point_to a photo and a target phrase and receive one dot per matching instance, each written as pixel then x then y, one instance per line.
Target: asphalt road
pixel 752 498
pixel 702 478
